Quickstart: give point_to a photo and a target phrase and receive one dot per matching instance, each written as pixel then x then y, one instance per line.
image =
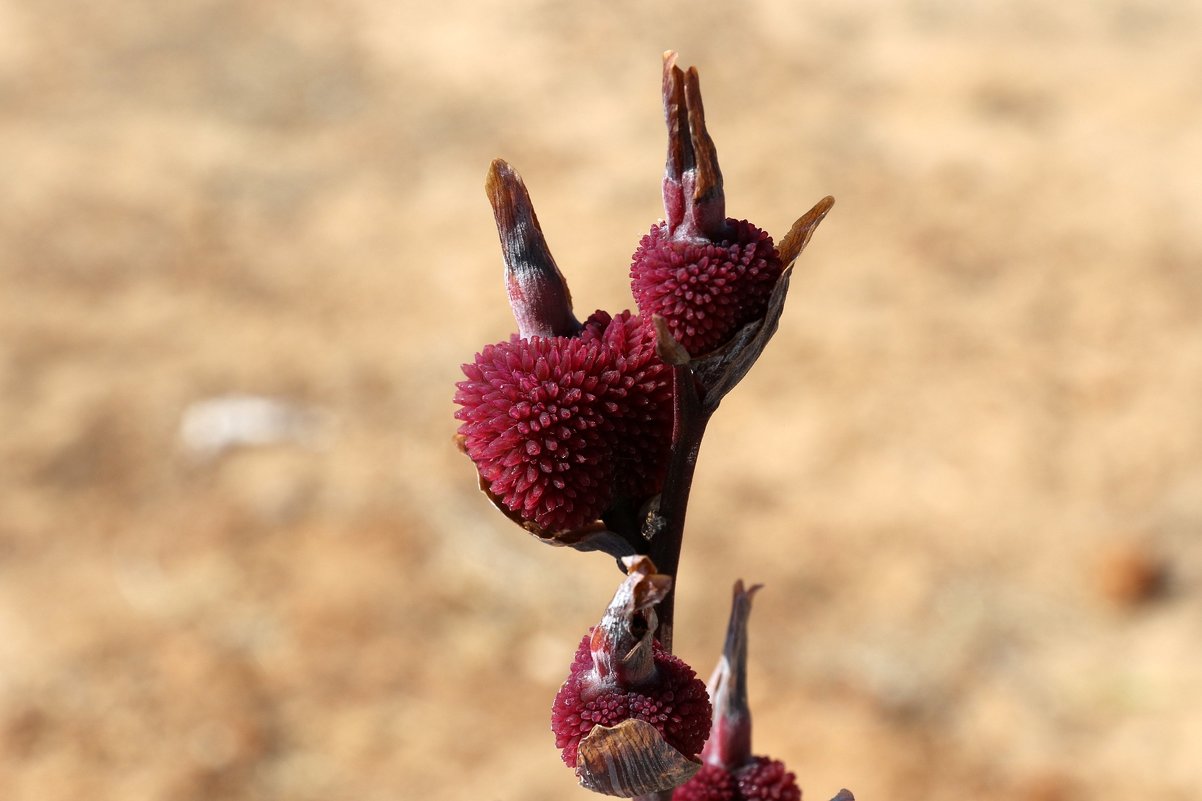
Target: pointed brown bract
pixel 538 293
pixel 730 739
pixel 707 275
pixel 803 230
pixel 731 772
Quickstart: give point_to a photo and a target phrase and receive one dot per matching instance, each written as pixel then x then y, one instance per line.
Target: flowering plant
pixel 587 434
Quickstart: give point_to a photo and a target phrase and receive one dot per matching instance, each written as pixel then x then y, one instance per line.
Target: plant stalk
pixel 689 419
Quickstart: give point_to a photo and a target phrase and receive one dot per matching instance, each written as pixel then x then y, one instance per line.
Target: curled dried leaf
pixel 631 759
pixel 645 586
pixel 803 230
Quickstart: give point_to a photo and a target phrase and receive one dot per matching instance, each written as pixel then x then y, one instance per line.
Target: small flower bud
pixel 620 673
pixel 731 772
pixel 706 274
pixel 538 293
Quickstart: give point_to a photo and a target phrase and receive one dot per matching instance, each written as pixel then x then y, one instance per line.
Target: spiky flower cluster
pixel 642 414
pixel 566 420
pixel 535 423
pixel 621 676
pixel 560 426
pixel 674 702
pixel 762 779
pixel 563 420
pixel 705 289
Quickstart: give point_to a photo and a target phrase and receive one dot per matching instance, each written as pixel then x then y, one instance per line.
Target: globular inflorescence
pixel 705 289
pixel 674 701
pixel 538 422
pixel 762 779
pixel 561 427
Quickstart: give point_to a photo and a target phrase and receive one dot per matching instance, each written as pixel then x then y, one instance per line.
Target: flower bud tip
pixel 538 293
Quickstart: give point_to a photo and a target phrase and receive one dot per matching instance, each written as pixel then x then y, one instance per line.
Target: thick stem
pixel 665 526
pixel 667 529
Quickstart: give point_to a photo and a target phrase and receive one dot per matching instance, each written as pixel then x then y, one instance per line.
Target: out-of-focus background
pixel 244 248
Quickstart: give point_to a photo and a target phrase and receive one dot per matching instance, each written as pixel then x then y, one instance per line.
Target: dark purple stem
pixel 666 525
pixel 664 528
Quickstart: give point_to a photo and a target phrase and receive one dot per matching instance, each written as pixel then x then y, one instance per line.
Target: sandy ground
pixel 969 468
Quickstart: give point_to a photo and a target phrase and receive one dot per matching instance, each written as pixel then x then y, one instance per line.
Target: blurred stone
pixel 1130 574
pixel 210 427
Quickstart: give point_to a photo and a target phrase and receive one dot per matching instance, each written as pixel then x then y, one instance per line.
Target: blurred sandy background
pixel 969 468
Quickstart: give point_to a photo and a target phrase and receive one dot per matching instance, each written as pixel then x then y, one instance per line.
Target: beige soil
pixel 969 468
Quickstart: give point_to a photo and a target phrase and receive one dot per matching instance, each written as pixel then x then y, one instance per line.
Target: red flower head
pixel 535 422
pixel 643 395
pixel 621 673
pixel 562 420
pixel 706 274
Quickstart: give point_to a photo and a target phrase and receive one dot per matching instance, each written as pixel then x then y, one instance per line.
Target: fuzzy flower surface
pixel 559 427
pixel 704 273
pixel 537 420
pixel 642 395
pixel 621 675
pixel 762 779
pixel 675 703
pixel 705 289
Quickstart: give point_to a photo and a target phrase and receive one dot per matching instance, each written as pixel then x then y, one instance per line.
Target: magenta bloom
pixel 537 421
pixel 643 396
pixel 762 779
pixel 563 419
pixel 706 274
pixel 675 703
pixel 705 289
pixel 621 673
pixel 559 427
